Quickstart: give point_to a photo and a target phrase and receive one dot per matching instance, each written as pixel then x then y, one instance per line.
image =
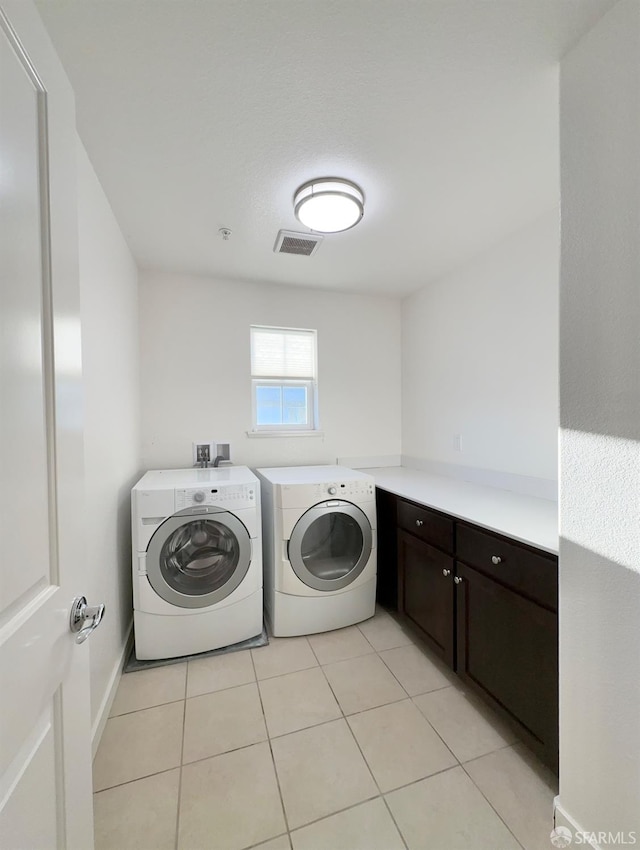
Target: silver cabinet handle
pixel 446 572
pixel 496 559
pixel 458 579
pixel 84 618
pixel 419 522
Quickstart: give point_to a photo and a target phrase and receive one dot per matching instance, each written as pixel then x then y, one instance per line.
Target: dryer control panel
pixel 343 489
pixel 358 491
pixel 230 497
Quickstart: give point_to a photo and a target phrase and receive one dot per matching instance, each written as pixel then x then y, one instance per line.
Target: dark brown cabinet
pixel 425 575
pixel 507 650
pixel 387 584
pixel 487 605
pixel 425 592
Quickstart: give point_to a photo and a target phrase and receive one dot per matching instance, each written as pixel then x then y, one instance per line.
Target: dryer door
pixel 198 557
pixel 330 545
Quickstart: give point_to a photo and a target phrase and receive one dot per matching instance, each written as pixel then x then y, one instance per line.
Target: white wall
pixel 195 369
pixel 600 418
pixel 109 315
pixel 479 359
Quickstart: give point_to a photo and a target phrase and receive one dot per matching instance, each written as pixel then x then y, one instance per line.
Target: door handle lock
pixel 84 618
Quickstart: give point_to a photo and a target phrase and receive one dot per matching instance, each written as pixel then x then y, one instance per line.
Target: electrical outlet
pixel 457 442
pixel 203 452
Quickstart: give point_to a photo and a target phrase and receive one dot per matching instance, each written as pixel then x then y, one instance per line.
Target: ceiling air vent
pixel 304 244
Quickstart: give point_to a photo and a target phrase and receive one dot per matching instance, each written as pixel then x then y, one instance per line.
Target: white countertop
pixel 525 518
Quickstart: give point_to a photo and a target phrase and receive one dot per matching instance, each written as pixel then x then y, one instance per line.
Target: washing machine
pixel 319 538
pixel 197 560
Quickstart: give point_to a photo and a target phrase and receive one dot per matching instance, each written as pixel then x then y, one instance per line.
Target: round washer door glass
pixel 330 545
pixel 196 561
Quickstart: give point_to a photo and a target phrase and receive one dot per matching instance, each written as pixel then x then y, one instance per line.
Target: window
pixel 283 379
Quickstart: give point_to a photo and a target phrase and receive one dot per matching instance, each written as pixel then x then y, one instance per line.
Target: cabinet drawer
pixel 533 573
pixel 426 525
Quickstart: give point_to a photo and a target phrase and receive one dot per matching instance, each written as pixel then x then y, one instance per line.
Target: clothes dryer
pixel 197 560
pixel 320 566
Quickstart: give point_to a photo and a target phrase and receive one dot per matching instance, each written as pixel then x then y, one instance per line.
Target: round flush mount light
pixel 329 204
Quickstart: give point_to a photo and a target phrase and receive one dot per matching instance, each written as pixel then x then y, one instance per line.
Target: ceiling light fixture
pixel 329 204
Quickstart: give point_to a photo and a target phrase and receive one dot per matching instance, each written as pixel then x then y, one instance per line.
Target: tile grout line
pixel 420 649
pixel 262 843
pixel 490 753
pixel 408 696
pixel 414 782
pixel 424 693
pixel 401 787
pixel 184 726
pixel 454 684
pixel 343 716
pixel 337 812
pixel 384 798
pixel 290 673
pixel 429 723
pixel 493 808
pixel 137 779
pixel 380 793
pixel 146 708
pixel 273 760
pixel 352 713
pixel 462 764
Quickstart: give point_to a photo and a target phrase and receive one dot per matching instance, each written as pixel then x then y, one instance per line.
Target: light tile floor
pixel 356 739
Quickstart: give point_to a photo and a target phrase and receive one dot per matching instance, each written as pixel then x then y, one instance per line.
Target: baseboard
pixel 110 694
pixel 561 818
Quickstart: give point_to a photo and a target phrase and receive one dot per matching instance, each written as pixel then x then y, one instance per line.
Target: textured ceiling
pixel 202 114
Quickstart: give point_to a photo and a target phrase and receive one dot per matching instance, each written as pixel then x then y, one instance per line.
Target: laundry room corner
pixel 110 358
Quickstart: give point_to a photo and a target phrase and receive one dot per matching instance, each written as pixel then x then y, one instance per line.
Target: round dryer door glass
pixel 330 545
pixel 194 561
pixel 199 557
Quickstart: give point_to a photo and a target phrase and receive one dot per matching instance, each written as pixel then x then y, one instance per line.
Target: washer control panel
pixel 344 489
pixel 229 497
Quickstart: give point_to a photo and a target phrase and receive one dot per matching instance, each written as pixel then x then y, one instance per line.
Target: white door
pixel 45 756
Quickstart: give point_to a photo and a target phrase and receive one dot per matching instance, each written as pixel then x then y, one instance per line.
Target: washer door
pixel 330 545
pixel 198 557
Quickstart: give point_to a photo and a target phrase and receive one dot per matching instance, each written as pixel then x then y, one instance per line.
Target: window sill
pixel 285 433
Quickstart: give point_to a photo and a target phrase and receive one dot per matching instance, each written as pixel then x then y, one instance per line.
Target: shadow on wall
pixel 600 355
pixel 599 689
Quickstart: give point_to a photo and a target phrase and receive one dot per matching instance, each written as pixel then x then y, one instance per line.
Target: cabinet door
pixel 507 648
pixel 425 592
pixel 387 586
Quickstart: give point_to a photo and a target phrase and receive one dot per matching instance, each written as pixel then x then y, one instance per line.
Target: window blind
pixel 283 353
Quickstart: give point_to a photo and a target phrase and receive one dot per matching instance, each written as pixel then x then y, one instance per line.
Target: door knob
pixel 457 579
pixel 446 572
pixel 84 618
pixel 419 522
pixel 496 559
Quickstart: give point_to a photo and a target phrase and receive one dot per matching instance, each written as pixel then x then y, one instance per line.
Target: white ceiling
pixel 202 114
